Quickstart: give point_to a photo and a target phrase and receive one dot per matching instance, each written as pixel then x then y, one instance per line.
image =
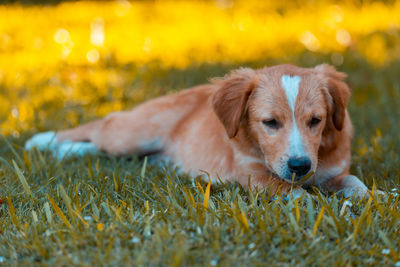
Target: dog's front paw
pixel 352 187
pixel 42 141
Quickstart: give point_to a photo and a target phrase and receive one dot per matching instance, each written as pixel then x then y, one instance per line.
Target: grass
pixel 100 210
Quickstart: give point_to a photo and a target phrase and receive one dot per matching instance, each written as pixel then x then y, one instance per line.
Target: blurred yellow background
pixel 54 52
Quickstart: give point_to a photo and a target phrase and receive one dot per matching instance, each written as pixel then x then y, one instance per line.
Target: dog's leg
pixel 118 134
pixel 82 133
pixel 144 130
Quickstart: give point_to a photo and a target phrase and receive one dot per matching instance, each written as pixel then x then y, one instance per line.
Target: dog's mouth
pixel 294 179
pixel 291 177
pixel 275 175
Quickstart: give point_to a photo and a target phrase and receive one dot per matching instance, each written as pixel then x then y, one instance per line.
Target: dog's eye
pixel 314 122
pixel 271 123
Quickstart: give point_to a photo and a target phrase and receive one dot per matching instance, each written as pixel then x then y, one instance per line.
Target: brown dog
pixel 268 124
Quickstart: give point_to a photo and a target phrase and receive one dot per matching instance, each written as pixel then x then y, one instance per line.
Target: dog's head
pixel 287 111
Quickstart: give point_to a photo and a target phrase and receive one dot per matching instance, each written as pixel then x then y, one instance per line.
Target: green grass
pixel 100 210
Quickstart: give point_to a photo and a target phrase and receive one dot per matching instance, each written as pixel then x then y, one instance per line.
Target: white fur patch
pixel 42 141
pixel 68 148
pixel 353 187
pixel 291 87
pixel 48 140
pixel 296 144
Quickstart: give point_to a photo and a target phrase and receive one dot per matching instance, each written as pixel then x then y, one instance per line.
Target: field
pixel 69 63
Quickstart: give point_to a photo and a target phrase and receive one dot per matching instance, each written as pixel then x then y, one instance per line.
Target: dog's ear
pixel 230 100
pixel 338 90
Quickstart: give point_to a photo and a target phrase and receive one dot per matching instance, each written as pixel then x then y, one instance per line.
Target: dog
pixel 267 127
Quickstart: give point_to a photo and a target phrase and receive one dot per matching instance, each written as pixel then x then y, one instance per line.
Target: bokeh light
pixel 50 53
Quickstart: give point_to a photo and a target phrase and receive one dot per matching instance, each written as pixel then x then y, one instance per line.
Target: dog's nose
pixel 299 165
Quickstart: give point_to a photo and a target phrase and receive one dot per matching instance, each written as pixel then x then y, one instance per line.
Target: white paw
pixel 68 148
pixel 46 140
pixel 352 187
pixel 355 193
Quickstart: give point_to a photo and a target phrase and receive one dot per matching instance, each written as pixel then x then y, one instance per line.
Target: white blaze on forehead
pixel 291 86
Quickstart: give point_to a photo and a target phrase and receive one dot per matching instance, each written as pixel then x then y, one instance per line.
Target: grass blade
pixel 59 212
pixel 10 145
pixel 34 217
pixel 22 179
pixel 244 220
pixel 207 194
pixel 318 221
pixel 67 201
pixel 387 242
pixel 11 210
pixel 47 211
pixel 143 171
